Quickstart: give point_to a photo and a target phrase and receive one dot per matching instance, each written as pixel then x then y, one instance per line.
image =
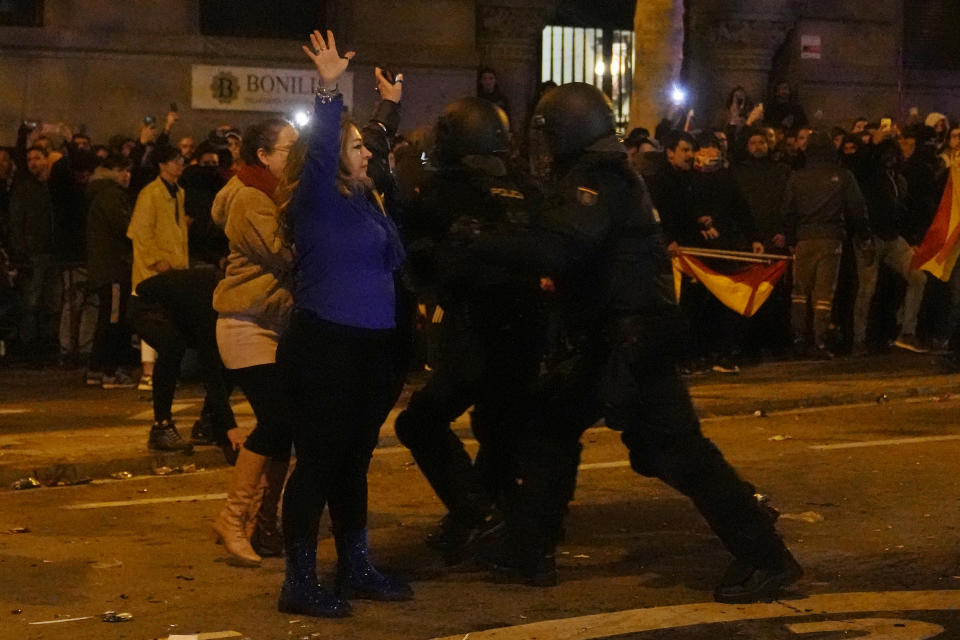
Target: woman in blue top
pixel 339 352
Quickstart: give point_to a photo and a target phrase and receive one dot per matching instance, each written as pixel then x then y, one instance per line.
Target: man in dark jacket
pixel 763 183
pixel 109 262
pixel 601 242
pixel 201 182
pixel 886 193
pixel 820 201
pixel 490 335
pixel 31 244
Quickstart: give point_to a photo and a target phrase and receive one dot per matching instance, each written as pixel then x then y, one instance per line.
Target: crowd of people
pixel 849 205
pixel 306 265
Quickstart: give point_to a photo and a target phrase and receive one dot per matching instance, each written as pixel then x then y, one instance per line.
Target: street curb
pixel 726 409
pixel 211 457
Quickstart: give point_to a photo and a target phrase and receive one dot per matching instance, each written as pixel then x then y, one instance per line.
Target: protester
pixel 158 230
pixel 820 201
pixel 109 263
pixel 253 301
pixel 339 353
pixel 489 89
pixel 174 312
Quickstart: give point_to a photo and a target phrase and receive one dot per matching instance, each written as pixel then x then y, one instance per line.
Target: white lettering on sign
pixel 876 628
pixel 258 88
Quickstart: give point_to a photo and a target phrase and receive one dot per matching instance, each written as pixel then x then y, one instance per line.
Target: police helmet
pixel 471 126
pixel 572 117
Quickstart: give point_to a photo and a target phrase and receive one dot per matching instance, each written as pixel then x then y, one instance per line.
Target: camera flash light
pixel 302 118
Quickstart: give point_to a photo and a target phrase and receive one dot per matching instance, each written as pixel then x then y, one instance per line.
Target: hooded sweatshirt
pixel 109 252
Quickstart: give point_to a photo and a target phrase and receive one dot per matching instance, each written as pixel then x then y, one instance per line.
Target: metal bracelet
pixel 328 95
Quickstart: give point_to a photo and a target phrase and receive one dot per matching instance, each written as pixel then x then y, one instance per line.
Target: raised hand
pixel 388 91
pixel 330 66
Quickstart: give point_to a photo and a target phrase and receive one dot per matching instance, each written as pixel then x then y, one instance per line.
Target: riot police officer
pixel 600 240
pixel 491 329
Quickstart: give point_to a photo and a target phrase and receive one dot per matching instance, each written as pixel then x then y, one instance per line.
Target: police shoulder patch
pixel 586 196
pixel 506 193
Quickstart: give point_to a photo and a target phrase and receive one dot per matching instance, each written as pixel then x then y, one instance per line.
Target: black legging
pixel 269 396
pixel 157 329
pixel 343 383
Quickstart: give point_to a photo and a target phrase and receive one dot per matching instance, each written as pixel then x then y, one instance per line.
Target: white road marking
pixel 8 412
pixel 605 465
pixel 790 412
pixel 59 621
pixel 134 503
pixel 175 408
pixel 883 443
pixel 619 623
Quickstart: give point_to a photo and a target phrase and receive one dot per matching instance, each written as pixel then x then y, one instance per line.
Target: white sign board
pixel 810 47
pixel 258 88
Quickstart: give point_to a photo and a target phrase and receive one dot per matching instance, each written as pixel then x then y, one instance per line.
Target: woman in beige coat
pixel 254 301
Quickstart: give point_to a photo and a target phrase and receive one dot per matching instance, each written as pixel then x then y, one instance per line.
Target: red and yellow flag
pixel 744 291
pixel 938 252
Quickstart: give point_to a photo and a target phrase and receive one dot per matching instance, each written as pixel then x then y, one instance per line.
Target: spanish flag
pixel 744 291
pixel 939 249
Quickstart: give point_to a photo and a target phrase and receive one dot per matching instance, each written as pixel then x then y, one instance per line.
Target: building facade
pixel 107 65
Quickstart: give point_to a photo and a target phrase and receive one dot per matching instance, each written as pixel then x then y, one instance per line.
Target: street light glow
pixel 601 68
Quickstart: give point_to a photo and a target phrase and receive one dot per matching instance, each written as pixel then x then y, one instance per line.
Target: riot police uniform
pixel 490 334
pixel 601 240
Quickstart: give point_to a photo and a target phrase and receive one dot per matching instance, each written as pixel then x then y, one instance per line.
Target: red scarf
pixel 259 178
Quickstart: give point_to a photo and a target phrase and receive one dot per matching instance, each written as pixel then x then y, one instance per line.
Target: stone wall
pixel 108 64
pixel 756 43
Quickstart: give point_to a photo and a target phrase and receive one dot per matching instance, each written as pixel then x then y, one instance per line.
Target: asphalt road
pixel 869 495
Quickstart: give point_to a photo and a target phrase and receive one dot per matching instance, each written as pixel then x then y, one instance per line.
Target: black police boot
pixel 516 562
pixel 538 570
pixel 357 578
pixel 300 593
pixel 744 583
pixel 456 540
pixel 165 437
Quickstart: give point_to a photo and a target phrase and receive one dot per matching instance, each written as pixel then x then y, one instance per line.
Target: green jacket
pixel 109 252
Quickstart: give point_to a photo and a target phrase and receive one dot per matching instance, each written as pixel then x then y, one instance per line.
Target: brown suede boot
pixel 266 538
pixel 230 525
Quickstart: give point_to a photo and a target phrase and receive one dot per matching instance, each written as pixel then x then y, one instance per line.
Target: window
pixel 930 39
pixel 21 13
pixel 286 19
pixel 601 57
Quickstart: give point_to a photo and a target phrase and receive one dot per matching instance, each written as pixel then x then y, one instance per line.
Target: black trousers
pixel 342 381
pixel 112 336
pixel 649 402
pixel 269 396
pixel 153 324
pixel 489 358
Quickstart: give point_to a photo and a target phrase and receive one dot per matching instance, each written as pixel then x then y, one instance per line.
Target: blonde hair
pixel 287 186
